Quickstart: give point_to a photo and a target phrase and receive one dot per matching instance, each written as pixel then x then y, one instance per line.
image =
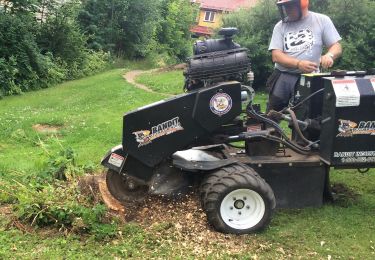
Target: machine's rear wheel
pixel 237 200
pixel 124 189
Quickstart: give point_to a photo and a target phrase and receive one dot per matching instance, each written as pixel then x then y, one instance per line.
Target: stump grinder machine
pixel 242 162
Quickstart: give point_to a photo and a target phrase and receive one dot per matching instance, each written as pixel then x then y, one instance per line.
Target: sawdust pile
pixel 180 221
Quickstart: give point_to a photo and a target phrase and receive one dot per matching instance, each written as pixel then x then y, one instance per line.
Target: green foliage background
pixel 138 28
pixel 353 20
pixel 44 42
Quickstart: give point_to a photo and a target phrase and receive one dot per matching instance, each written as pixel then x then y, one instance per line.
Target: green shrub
pixel 37 55
pixel 19 55
pixel 356 26
pixel 139 28
pixel 62 206
pixel 53 198
pixel 8 76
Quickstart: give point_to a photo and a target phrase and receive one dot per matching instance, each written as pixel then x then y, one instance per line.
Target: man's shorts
pixel 282 90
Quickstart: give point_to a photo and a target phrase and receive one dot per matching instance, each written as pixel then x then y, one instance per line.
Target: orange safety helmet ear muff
pixel 304 4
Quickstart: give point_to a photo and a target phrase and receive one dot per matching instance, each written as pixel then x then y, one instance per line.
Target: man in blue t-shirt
pixel 297 43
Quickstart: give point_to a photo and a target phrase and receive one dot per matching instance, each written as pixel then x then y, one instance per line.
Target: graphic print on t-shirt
pixel 298 41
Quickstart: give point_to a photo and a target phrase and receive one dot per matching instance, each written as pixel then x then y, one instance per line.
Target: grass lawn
pixel 88 114
pixel 170 82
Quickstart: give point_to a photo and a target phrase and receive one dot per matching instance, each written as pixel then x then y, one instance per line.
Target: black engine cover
pixel 218 64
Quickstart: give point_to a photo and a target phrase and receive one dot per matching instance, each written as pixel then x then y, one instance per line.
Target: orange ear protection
pixel 304 4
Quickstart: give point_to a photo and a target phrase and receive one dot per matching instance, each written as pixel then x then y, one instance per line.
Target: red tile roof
pixel 201 30
pixel 226 5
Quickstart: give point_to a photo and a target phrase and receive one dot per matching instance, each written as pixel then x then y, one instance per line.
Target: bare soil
pixel 130 76
pixel 343 195
pixel 47 129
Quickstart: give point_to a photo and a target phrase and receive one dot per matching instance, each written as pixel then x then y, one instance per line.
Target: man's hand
pixel 304 66
pixel 326 61
pixel 307 66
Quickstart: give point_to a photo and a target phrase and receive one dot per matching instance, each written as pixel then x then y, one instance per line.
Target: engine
pixel 218 60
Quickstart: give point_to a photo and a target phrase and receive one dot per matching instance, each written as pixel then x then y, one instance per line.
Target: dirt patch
pixel 12 221
pixel 132 75
pixel 6 210
pixel 180 66
pixel 47 129
pixel 343 195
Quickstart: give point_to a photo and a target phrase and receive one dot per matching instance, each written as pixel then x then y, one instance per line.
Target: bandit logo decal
pixel 220 104
pixel 145 137
pixel 299 41
pixel 348 128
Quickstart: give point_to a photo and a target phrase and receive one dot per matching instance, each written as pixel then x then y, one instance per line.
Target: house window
pixel 209 16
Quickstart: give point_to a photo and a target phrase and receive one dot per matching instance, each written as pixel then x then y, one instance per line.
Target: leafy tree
pixel 140 28
pixel 355 22
pixel 21 63
pixel 319 6
pixel 21 6
pixel 126 27
pixel 101 22
pixel 60 34
pixel 174 36
pixel 46 41
pixel 41 45
pixel 137 28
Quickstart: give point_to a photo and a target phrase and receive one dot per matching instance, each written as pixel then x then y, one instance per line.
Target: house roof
pixel 201 30
pixel 226 5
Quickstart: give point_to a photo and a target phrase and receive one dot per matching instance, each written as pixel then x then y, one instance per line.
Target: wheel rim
pixel 242 209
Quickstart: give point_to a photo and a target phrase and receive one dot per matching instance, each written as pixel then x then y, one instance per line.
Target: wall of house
pixel 216 23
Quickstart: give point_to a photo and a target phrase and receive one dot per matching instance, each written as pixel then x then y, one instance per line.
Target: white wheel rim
pixel 242 209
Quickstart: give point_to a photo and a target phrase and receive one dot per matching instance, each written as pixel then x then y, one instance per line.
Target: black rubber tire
pixel 117 186
pixel 213 178
pixel 217 185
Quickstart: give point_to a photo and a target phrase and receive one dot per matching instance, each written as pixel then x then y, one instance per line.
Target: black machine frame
pixel 214 133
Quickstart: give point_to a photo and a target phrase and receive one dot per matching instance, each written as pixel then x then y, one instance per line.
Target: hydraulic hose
pixel 272 138
pixel 306 99
pixel 286 140
pixel 296 126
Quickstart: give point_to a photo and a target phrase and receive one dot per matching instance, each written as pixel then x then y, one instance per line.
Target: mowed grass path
pixel 89 112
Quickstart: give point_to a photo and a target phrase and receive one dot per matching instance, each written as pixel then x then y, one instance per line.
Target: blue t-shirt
pixel 304 39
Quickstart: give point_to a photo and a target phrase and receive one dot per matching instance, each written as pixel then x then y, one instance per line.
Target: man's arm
pixel 287 61
pixel 334 51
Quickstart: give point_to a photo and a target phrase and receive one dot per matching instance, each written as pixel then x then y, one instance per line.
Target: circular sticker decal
pixel 220 104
